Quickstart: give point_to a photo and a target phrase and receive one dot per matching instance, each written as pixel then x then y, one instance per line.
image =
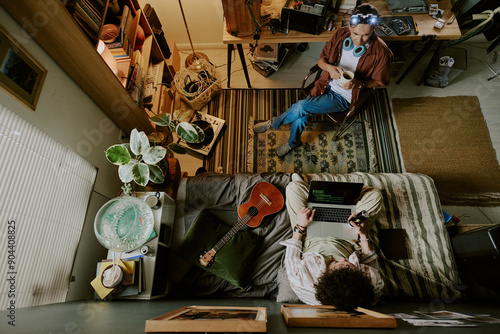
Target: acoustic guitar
pixel 265 200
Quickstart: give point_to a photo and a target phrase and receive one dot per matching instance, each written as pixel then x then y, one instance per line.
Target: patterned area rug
pixel 234 151
pixel 352 152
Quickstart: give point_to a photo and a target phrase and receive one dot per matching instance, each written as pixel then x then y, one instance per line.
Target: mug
pixel 154 201
pixel 345 77
pixel 112 276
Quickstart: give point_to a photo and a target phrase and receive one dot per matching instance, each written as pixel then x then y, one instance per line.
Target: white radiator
pixel 44 193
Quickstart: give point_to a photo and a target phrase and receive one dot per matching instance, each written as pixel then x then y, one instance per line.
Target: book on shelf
pixel 91 17
pixel 153 79
pixel 136 83
pixel 120 40
pixel 124 43
pixel 87 29
pixel 88 14
pixel 156 28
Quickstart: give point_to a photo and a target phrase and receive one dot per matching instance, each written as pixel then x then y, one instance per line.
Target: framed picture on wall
pixel 21 75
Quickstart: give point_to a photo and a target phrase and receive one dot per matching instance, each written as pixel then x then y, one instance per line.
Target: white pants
pixel 296 198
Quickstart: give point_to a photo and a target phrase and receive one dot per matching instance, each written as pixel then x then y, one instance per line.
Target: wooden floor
pixel 472 81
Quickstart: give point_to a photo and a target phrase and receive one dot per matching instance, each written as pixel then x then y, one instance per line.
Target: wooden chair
pixel 346 118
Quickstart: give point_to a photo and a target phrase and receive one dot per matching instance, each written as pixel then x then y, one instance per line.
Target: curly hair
pixel 345 288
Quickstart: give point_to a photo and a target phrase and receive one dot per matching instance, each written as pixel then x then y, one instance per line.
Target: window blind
pixel 45 190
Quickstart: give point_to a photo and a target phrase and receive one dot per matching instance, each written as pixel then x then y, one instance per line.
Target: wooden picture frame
pixel 211 319
pixel 328 316
pixel 21 75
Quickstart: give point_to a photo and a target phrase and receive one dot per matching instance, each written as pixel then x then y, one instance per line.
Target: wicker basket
pixel 198 83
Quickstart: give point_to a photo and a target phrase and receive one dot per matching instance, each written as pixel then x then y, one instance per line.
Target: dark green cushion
pixel 233 262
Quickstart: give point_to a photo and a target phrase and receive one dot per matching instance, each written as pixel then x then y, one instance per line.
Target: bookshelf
pixel 65 41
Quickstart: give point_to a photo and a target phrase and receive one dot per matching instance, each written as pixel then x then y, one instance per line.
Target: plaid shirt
pixel 375 64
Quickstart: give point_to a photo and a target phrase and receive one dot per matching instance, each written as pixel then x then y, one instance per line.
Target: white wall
pixel 204 18
pixel 67 114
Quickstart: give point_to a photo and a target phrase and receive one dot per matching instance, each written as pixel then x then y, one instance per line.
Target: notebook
pixel 334 203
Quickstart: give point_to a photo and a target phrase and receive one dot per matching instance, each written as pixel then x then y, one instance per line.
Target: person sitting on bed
pixel 329 270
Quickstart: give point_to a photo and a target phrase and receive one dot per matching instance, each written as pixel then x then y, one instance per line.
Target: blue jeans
pixel 298 114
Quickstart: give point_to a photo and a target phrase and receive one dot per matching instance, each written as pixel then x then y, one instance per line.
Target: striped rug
pixel 238 107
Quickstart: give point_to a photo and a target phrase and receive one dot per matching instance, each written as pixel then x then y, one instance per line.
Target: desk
pixel 424 21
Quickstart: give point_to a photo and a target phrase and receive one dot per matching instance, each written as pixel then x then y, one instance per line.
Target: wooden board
pixel 328 316
pixel 238 20
pixel 211 319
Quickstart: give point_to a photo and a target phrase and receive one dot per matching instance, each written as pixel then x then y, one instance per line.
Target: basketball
pixel 139 40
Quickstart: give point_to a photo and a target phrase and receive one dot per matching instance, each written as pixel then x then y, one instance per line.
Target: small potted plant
pixel 139 161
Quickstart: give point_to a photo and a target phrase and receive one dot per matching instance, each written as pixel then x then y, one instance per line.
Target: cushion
pixel 233 262
pixel 285 292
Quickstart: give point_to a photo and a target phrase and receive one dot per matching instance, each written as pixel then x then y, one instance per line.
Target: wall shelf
pixel 65 42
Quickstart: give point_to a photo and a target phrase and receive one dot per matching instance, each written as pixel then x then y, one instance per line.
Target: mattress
pixel 411 203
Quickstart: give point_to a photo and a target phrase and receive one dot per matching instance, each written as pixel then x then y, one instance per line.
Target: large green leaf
pixel 176 148
pixel 154 154
pixel 139 142
pixel 118 154
pixel 140 172
pixel 132 155
pixel 162 119
pixel 191 133
pixel 125 171
pixel 156 174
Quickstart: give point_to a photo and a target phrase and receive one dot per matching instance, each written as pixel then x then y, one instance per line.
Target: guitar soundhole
pixel 253 211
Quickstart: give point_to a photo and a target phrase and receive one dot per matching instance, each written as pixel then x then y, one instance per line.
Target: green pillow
pixel 233 262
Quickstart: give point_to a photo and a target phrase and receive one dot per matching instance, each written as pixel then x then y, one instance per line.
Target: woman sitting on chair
pixel 355 48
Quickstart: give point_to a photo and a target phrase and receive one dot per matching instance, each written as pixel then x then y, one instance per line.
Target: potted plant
pixel 189 132
pixel 139 161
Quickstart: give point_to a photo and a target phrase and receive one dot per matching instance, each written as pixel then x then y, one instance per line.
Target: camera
pixel 360 217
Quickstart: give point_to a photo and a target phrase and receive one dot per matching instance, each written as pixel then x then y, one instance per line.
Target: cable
pixel 495 73
pixel 491 68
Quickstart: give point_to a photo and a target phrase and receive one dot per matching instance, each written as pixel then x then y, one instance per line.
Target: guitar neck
pixel 241 222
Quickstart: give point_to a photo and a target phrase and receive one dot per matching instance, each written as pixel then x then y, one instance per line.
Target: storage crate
pixel 310 21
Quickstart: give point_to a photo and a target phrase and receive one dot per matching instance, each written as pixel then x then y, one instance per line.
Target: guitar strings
pixel 241 222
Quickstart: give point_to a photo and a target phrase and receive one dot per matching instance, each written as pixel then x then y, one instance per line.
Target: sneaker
pixel 283 150
pixel 262 127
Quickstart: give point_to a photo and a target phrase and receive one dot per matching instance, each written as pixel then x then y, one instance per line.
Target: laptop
pixel 334 203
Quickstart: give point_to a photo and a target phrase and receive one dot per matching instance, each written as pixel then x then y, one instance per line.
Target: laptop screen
pixel 331 192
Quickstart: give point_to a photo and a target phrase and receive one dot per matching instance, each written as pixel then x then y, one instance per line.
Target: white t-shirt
pixel 348 62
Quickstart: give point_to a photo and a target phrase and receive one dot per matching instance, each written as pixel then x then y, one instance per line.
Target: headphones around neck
pixel 358 51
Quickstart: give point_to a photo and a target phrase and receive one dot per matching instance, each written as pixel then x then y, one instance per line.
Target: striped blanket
pixel 410 203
